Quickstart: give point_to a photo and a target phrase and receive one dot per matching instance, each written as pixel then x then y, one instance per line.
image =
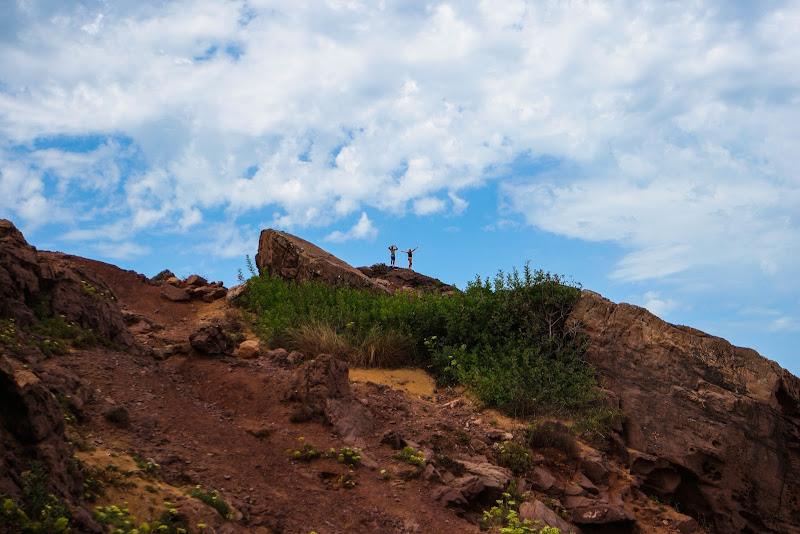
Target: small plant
pixel 8 334
pixel 346 455
pixel 346 481
pixel 212 499
pixel 94 292
pixel 515 456
pixel 148 468
pixel 386 475
pixel 410 456
pixel 305 453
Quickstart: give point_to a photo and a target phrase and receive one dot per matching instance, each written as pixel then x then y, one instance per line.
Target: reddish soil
pixel 222 423
pixel 197 416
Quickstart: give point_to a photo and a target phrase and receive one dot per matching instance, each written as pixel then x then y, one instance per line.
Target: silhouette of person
pixel 410 252
pixel 392 249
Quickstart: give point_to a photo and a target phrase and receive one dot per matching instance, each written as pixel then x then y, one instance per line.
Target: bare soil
pixel 222 423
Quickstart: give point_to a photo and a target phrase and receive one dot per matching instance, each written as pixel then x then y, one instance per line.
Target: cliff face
pixel 713 427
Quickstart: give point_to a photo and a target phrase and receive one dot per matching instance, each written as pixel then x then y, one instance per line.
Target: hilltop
pixel 118 388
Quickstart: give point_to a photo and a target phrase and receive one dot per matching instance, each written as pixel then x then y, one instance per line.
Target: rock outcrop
pixel 34 283
pixel 297 259
pixel 712 427
pixel 401 279
pixel 322 385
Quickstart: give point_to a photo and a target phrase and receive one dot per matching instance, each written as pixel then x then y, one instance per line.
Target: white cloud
pixel 673 125
pixel 428 205
pixel 363 229
pixel 785 324
pixel 657 305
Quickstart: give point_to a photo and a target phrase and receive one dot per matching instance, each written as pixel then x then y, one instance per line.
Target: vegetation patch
pixel 410 456
pixel 121 521
pixel 213 499
pixel 505 338
pixel 41 511
pixel 551 434
pixel 515 456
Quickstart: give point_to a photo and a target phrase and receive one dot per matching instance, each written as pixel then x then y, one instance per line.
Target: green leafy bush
pixel 505 338
pixel 305 453
pixel 515 456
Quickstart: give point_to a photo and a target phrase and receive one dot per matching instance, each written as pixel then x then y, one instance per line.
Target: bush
pixel 506 338
pixel 515 456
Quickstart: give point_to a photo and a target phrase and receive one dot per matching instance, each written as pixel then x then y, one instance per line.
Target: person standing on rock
pixel 392 249
pixel 410 252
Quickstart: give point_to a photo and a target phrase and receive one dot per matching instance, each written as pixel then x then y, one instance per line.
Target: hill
pixel 120 389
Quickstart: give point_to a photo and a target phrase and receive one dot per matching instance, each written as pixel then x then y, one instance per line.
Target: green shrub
pixel 305 453
pixel 121 520
pixel 347 456
pixel 212 499
pixel 596 424
pixel 515 456
pixel 410 456
pixel 506 338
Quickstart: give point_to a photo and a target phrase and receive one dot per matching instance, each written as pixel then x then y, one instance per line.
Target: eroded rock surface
pixel 717 427
pixel 323 385
pixel 294 258
pixel 50 283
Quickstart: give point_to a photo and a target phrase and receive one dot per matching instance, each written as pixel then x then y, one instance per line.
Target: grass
pixel 505 338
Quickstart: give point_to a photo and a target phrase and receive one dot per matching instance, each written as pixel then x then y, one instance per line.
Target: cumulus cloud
pixel 657 305
pixel 672 125
pixel 363 229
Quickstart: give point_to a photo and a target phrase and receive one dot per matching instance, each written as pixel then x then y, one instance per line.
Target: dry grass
pixel 375 349
pixel 552 434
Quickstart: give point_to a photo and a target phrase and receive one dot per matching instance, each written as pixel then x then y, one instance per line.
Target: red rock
pixel 174 293
pixel 250 348
pixel 713 422
pixel 537 511
pixel 602 515
pixel 294 258
pixel 450 497
pixel 196 280
pixel 211 340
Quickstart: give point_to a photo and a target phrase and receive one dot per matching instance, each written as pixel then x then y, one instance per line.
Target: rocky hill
pixel 158 395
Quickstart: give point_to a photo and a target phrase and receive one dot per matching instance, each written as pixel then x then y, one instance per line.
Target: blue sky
pixel 648 149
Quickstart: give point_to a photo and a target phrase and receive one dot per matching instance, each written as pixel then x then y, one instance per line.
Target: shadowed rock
pixel 719 425
pixel 50 283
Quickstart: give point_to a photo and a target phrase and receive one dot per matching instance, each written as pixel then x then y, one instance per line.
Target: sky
pixel 648 149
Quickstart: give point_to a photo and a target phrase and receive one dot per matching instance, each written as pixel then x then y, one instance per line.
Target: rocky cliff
pixel 713 428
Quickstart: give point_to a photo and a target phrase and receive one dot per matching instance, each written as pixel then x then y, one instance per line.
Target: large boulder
pixel 34 283
pixel 713 427
pixel 297 259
